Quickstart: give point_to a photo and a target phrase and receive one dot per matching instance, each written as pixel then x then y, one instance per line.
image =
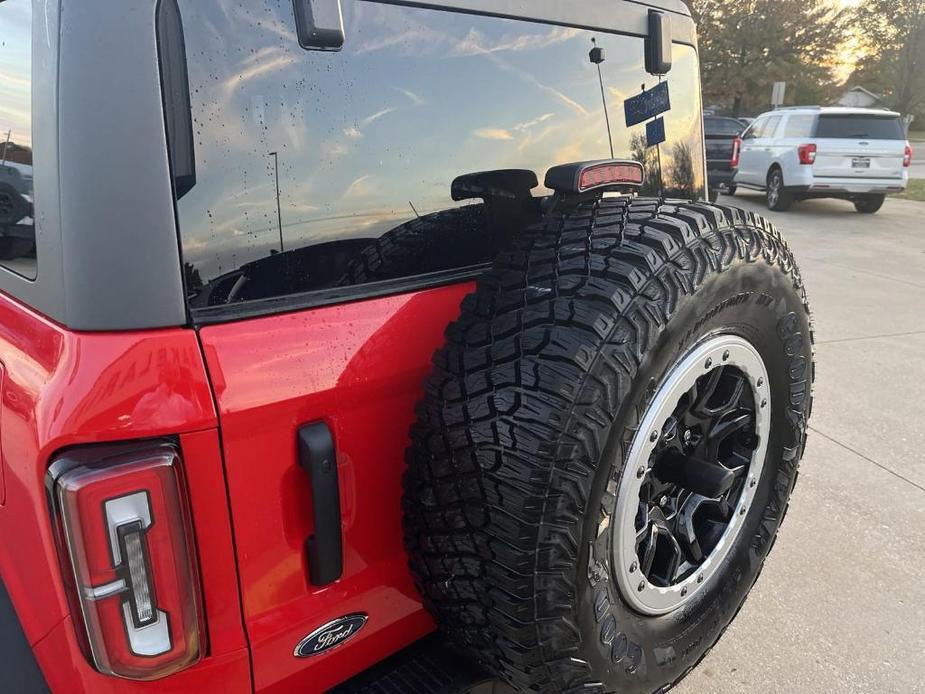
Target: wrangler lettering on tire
pixel 623 359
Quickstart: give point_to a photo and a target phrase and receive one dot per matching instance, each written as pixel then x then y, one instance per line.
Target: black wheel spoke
pixel 698 471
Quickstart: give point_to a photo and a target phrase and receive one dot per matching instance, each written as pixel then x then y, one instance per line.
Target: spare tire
pixel 13 206
pixel 443 240
pixel 608 443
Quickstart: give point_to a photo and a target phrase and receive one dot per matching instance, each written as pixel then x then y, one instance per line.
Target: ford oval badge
pixel 330 635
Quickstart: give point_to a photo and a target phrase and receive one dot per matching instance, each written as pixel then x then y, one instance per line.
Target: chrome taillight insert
pixel 126 542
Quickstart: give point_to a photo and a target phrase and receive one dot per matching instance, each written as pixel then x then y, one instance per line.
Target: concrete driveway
pixel 840 606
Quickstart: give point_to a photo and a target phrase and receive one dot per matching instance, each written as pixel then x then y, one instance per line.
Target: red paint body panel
pixel 66 671
pixel 360 368
pixel 63 389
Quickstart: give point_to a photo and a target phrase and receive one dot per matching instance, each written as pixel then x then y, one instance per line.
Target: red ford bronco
pixel 378 346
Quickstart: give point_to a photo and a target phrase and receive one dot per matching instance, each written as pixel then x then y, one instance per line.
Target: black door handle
pixel 319 459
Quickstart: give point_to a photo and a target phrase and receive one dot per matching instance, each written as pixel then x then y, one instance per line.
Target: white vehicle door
pixel 764 150
pixel 749 152
pixel 859 145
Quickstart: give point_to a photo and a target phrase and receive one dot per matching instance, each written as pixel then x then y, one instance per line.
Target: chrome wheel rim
pixel 714 403
pixel 774 190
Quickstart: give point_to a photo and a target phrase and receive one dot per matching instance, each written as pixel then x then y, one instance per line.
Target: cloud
pixel 493 134
pixel 376 116
pixel 415 99
pixel 269 59
pixel 476 43
pixel 410 40
pixel 358 187
pixel 520 127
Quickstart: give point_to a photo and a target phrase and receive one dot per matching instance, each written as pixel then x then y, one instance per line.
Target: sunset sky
pixel 850 53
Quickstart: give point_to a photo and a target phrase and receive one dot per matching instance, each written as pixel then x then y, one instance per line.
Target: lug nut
pixel 640 472
pixel 700 578
pixel 709 363
pixel 753 482
pixel 683 592
pixel 633 567
pixel 760 382
pixel 641 587
pixel 726 355
pixel 764 403
pixel 653 437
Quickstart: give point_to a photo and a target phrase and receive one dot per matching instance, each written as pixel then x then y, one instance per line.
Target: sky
pixel 850 52
pixel 15 69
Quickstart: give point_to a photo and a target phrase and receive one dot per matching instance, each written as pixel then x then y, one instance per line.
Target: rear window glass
pixel 799 126
pixel 858 127
pixel 17 223
pixel 722 126
pixel 330 170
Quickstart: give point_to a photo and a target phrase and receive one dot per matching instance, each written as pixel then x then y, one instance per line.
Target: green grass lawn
pixel 917 136
pixel 915 191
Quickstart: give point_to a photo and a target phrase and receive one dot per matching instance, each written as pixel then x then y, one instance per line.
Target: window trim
pixel 302 301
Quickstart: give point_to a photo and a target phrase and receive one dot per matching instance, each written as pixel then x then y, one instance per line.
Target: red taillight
pixel 126 541
pixel 610 174
pixel 736 151
pixel 907 157
pixel 807 154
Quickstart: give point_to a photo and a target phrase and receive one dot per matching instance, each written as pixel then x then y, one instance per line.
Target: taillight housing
pixel 807 154
pixel 907 157
pixel 736 151
pixel 127 551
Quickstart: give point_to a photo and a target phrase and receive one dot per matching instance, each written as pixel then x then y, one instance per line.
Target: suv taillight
pixel 125 539
pixel 907 157
pixel 736 151
pixel 807 154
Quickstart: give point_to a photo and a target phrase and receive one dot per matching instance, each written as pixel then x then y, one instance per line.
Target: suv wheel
pixel 869 204
pixel 608 443
pixel 779 200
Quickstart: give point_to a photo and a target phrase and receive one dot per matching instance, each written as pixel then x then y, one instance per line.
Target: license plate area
pixel 860 163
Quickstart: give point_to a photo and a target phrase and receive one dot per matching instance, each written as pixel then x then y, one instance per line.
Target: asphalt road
pixel 840 606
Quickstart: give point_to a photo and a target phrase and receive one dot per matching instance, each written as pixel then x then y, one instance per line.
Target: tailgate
pixel 860 144
pixel 719 152
pixel 859 158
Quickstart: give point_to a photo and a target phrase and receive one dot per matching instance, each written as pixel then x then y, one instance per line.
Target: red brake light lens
pixel 807 154
pixel 126 541
pixel 736 151
pixel 610 174
pixel 907 157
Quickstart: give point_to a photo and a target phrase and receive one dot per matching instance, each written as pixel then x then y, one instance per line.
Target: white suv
pixel 805 152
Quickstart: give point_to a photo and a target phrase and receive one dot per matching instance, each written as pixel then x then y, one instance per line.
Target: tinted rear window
pixel 856 127
pixel 362 145
pixel 722 126
pixel 17 218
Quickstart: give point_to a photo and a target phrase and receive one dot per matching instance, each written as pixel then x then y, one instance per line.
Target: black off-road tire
pixel 430 243
pixel 528 415
pixel 13 206
pixel 869 204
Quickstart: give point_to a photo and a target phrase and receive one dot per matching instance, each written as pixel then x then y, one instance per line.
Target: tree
pixel 747 45
pixel 892 32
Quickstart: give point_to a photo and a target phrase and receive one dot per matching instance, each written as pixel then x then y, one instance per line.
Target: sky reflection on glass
pixel 416 98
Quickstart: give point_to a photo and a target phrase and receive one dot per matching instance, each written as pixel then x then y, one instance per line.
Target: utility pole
pixel 6 144
pixel 279 216
pixel 597 57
